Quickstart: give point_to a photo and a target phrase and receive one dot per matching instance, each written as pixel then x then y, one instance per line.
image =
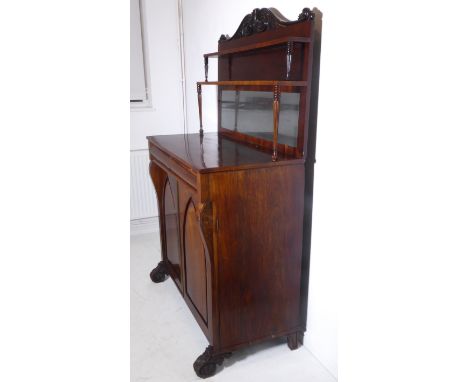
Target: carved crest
pixel 305 15
pixel 261 20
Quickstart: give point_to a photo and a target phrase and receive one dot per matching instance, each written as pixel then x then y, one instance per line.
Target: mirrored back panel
pixel 251 113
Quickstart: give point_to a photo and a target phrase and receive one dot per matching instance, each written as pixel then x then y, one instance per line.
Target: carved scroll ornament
pixel 261 20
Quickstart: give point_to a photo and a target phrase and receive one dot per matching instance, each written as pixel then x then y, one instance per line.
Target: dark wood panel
pixel 158 177
pixel 257 65
pixel 311 138
pixel 259 251
pixel 171 226
pixel 194 255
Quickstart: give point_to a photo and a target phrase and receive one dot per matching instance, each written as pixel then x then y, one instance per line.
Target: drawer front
pixel 168 163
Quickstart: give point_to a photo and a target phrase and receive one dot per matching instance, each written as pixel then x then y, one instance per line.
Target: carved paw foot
pixel 294 340
pixel 159 274
pixel 205 365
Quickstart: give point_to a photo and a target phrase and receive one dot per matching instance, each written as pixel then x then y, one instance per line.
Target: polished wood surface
pixel 258 249
pixel 213 152
pixel 254 83
pixel 235 225
pixel 232 241
pixel 310 139
pixel 259 45
pixel 195 263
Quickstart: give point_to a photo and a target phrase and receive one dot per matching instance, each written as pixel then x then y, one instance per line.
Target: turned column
pixel 200 107
pixel 206 68
pixel 289 59
pixel 276 98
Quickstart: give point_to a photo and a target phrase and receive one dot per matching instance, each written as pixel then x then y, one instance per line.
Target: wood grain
pixel 235 225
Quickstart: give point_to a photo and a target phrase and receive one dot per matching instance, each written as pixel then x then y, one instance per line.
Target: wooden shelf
pixel 254 83
pixel 276 88
pixel 259 45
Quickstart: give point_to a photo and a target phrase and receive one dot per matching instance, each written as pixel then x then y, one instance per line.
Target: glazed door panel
pixel 194 253
pixel 171 225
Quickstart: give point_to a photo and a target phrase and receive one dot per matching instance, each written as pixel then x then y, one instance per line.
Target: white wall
pixel 165 115
pixel 161 36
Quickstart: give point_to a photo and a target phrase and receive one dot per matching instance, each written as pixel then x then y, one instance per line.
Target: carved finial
pixel 256 22
pixel 305 15
pixel 224 37
pixel 289 59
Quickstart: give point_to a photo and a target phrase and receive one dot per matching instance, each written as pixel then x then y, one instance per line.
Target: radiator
pixel 142 195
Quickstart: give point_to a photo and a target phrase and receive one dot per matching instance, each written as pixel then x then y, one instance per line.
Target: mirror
pixel 251 112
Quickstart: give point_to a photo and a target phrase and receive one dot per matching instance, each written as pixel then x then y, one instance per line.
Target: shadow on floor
pixel 242 354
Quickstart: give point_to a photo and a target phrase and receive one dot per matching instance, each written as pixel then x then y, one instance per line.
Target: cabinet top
pixel 214 152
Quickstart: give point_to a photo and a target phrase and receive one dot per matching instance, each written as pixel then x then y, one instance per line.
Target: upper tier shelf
pixel 278 41
pixel 254 83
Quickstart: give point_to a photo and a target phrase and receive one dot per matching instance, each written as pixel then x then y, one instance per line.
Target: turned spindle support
pixel 236 110
pixel 206 68
pixel 289 59
pixel 276 98
pixel 200 107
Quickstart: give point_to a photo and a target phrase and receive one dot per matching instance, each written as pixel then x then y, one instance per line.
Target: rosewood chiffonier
pixel 236 205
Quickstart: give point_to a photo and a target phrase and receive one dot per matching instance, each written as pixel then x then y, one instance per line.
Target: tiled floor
pixel 165 339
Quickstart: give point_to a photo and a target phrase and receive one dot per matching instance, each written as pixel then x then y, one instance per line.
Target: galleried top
pixel 265 79
pixel 264 19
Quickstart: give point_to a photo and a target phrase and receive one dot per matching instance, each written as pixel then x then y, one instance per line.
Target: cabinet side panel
pixel 259 243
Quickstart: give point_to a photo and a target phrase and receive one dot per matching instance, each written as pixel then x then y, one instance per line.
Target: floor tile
pixel 166 340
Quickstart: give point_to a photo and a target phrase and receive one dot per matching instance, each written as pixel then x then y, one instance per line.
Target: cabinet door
pixel 196 282
pixel 171 226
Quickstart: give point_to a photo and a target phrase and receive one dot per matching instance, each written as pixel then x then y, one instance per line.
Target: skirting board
pixel 146 225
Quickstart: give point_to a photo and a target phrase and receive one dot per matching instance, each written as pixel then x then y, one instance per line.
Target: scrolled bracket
pixel 205 219
pixel 204 214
